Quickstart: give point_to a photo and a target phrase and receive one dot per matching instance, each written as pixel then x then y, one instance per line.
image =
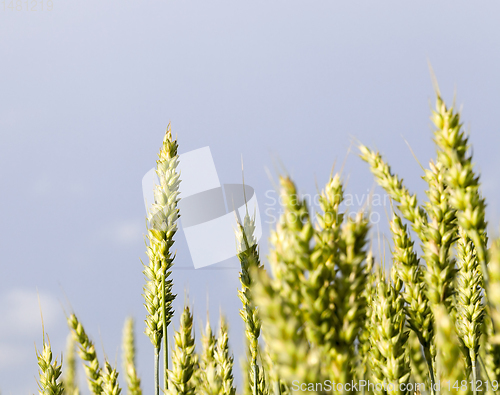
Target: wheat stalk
pixel 128 357
pixel 162 219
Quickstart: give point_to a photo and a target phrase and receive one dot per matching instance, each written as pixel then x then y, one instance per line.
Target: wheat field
pixel 328 317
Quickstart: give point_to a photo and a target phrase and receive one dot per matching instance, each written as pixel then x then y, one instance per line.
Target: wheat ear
pixel 390 363
pixel 348 296
pixel 291 245
pixel 460 177
pixel 317 290
pixel 440 235
pixel 470 309
pixel 49 372
pixel 363 348
pixel 419 367
pixel 128 357
pixel 224 359
pixel 451 365
pixel 87 353
pixel 70 373
pixel 248 254
pixel 110 384
pixel 162 219
pixel 393 185
pixel 409 270
pixel 180 377
pixel 293 356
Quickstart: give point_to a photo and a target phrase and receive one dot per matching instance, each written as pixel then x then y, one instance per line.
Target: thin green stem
pixel 474 376
pixel 255 377
pixel 165 338
pixel 157 370
pixel 428 359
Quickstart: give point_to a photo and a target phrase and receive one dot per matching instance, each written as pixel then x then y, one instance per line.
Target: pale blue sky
pixel 87 90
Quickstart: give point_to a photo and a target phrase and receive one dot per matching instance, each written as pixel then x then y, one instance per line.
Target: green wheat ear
pixel 224 360
pixel 451 364
pixel 389 336
pixel 181 378
pixel 70 373
pixel 49 372
pixel 87 353
pixel 248 254
pixel 460 177
pixel 470 309
pixel 162 221
pixel 110 384
pixel 128 349
pixel 208 381
pixel 411 273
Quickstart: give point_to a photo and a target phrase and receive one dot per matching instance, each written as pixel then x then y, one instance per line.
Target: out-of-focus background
pixel 88 88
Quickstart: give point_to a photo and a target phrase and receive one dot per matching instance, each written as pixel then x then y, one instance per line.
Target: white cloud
pixel 124 232
pixel 20 311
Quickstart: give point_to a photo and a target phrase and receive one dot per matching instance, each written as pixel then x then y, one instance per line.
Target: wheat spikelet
pixel 87 353
pixel 49 372
pixel 110 384
pixel 128 357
